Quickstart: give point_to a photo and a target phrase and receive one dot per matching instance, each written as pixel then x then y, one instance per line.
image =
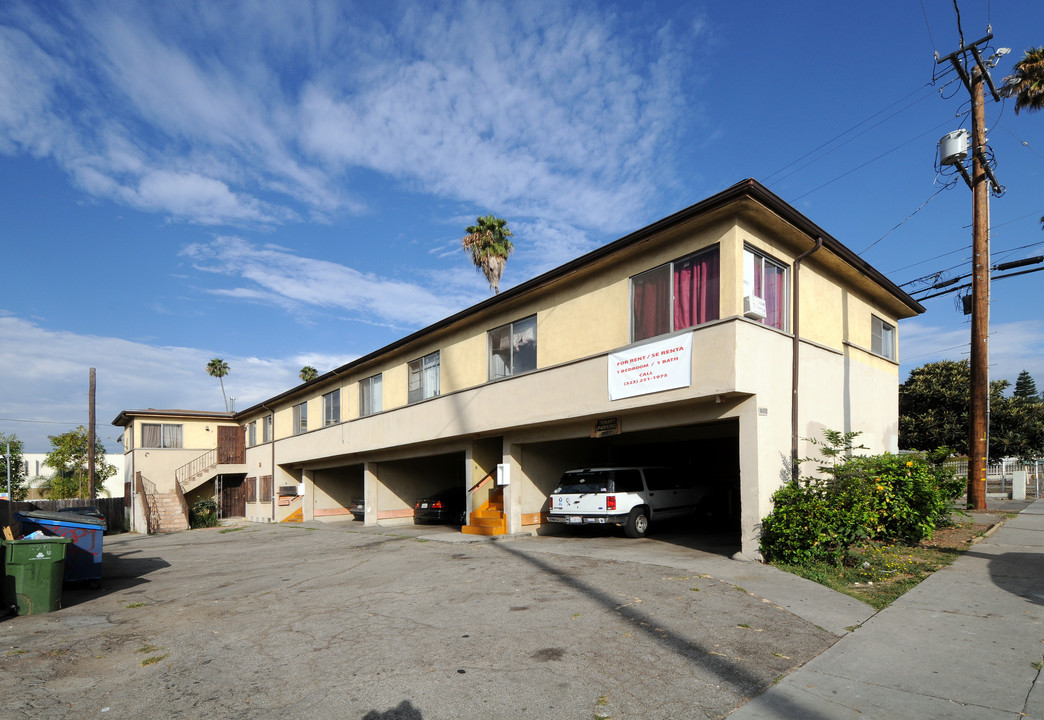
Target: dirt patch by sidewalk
pixel 959 537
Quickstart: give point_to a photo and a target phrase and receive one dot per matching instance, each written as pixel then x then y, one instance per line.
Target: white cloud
pixel 1013 346
pixel 277 274
pixel 52 367
pixel 552 120
pixel 262 113
pixel 190 195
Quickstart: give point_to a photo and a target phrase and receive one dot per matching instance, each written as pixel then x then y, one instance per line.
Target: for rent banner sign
pixel 652 367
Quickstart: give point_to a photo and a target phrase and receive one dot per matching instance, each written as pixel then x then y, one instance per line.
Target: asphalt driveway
pixel 269 621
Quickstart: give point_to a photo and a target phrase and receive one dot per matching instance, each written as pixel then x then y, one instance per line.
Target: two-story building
pixel 714 340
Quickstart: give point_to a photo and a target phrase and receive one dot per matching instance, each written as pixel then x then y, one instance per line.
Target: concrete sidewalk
pixel 968 642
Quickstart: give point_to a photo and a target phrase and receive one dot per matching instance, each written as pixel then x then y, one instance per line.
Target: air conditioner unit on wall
pixel 754 307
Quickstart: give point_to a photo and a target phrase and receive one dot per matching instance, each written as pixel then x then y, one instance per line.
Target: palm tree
pixel 308 373
pixel 488 242
pixel 1026 82
pixel 219 368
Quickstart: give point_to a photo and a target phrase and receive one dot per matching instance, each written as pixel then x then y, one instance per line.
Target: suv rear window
pixel 583 482
pixel 661 479
pixel 628 481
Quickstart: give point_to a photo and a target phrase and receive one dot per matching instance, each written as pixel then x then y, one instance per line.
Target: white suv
pixel 628 496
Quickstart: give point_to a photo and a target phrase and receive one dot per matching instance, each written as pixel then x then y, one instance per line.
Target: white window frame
pixel 882 338
pixel 171 436
pixel 422 377
pixel 370 392
pixel 517 334
pixel 252 433
pixel 300 418
pixel 332 407
pixel 668 270
pixel 266 429
pixel 754 262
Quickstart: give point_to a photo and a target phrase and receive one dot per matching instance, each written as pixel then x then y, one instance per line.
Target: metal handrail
pixel 146 489
pixel 195 467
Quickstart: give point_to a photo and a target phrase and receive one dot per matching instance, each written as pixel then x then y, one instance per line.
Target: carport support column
pixel 308 501
pixel 513 490
pixel 370 483
pixel 755 490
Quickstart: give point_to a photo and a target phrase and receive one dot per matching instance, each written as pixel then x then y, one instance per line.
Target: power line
pixel 1021 141
pixel 872 160
pixel 939 273
pixel 43 422
pixel 903 221
pixel 853 127
pixel 935 352
pixel 929 26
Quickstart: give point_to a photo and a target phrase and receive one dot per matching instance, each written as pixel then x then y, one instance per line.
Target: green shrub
pixel 203 514
pixel 855 500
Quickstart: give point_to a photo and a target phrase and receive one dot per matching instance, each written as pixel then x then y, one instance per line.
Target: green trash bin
pixel 33 571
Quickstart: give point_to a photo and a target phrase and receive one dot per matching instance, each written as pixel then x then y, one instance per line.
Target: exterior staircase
pixel 208 465
pixel 168 513
pixel 489 518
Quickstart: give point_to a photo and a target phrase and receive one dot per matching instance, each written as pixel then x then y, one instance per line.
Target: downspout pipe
pixel 795 365
pixel 272 500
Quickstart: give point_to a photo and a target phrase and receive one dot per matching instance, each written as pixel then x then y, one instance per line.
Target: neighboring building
pixel 673 345
pixel 37 472
pixel 175 457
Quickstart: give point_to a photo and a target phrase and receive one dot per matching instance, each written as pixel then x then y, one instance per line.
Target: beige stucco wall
pixel 873 385
pixel 157 465
pixel 259 464
pixel 741 372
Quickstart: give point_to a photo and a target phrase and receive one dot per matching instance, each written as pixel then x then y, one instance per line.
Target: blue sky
pixel 281 184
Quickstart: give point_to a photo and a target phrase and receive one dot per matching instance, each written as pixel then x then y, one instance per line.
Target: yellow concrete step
pixel 482 530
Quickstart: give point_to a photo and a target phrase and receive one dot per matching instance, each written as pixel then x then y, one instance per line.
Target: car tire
pixel 637 524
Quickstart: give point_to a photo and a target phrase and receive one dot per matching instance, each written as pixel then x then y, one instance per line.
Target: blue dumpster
pixel 83 558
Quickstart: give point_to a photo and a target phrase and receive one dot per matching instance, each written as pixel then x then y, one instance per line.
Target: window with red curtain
pixel 680 294
pixel 769 283
pixel 650 298
pixel 696 296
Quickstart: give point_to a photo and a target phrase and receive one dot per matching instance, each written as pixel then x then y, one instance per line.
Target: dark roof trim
pixel 125 416
pixel 746 188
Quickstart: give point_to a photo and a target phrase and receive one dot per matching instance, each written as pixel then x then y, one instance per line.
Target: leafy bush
pixel 856 499
pixel 203 514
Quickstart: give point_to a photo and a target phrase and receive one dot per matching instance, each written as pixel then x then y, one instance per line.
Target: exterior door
pixel 233 497
pixel 231 445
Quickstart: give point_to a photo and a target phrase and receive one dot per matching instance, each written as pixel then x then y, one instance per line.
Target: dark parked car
pixel 358 509
pixel 87 510
pixel 446 506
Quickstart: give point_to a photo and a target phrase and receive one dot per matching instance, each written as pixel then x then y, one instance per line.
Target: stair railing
pixel 147 492
pixel 181 500
pixel 474 489
pixel 481 483
pixel 195 467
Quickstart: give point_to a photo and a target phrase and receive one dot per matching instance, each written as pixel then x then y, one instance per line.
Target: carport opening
pixel 403 483
pixel 706 452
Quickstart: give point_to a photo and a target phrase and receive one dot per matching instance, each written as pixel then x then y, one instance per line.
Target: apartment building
pixel 714 341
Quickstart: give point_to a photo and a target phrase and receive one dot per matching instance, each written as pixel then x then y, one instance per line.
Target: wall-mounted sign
pixel 652 367
pixel 606 426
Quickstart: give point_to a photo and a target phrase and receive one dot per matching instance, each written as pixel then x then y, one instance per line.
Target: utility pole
pixel 90 441
pixel 978 411
pixel 980 182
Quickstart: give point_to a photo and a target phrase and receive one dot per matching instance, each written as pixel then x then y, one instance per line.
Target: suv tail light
pixel 610 502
